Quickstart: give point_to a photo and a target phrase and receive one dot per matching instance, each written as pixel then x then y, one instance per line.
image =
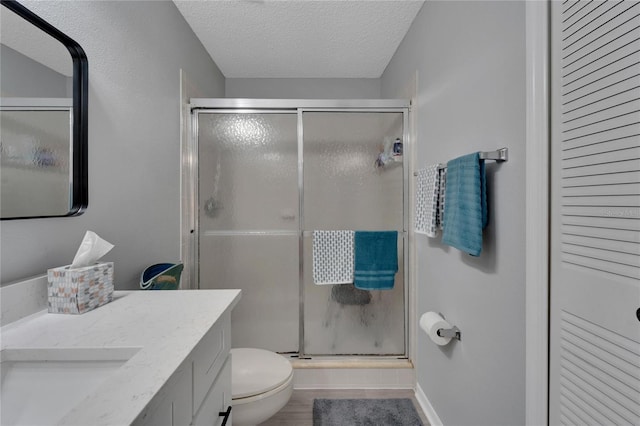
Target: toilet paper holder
pixel 453 332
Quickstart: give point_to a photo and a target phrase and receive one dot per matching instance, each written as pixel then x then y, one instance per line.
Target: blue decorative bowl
pixel 161 276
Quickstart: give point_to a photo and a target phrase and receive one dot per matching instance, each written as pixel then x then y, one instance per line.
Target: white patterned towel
pixel 442 177
pixel 427 200
pixel 333 257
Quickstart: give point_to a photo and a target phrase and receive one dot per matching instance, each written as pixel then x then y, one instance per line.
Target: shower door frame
pixel 190 229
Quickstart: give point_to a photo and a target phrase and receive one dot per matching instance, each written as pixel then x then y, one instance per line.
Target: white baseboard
pixel 427 408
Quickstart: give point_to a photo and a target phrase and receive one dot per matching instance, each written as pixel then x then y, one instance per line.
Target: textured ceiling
pixel 300 38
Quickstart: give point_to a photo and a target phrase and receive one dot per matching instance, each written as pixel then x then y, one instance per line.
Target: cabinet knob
pixel 226 415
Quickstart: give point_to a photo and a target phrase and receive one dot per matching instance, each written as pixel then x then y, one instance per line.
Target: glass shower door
pixel 248 222
pixel 343 190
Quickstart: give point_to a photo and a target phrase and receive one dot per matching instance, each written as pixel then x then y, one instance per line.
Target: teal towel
pixel 465 212
pixel 375 259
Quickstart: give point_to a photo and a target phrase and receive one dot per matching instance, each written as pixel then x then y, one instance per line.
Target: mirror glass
pixel 42 129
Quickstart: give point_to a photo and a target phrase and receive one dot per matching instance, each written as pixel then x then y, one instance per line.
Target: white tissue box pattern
pixel 78 290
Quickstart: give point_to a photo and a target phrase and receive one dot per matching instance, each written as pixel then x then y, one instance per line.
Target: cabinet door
pixel 181 400
pixel 218 399
pixel 160 415
pixel 209 357
pixel 172 404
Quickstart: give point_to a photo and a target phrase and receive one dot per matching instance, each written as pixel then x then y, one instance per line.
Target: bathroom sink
pixel 39 386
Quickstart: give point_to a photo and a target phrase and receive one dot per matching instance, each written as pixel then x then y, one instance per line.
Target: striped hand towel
pixel 466 214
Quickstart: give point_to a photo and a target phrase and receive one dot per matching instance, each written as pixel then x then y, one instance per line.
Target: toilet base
pixel 256 409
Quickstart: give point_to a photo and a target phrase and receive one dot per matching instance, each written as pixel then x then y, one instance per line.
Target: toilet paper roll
pixel 430 322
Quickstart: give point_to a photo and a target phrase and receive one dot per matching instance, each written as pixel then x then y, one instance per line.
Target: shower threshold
pixel 344 372
pixel 343 361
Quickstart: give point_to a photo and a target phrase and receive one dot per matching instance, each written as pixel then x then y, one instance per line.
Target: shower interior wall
pixel 252 240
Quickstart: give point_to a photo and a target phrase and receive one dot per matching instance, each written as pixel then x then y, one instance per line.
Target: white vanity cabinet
pixel 172 357
pixel 199 392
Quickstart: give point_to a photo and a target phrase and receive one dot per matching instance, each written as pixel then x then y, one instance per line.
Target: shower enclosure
pixel 265 175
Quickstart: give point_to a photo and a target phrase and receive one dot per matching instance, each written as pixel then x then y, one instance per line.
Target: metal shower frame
pixel 189 217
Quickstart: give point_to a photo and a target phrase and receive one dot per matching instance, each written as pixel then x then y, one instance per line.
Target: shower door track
pixel 275 232
pixel 295 104
pixel 299 107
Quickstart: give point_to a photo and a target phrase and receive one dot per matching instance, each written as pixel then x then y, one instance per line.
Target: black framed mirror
pixel 43 118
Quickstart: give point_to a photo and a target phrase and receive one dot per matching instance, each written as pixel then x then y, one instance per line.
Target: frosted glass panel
pixel 344 190
pixel 342 320
pixel 342 187
pixel 265 267
pixel 248 165
pixel 248 181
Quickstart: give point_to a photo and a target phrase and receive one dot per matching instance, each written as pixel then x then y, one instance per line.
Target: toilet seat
pixel 255 372
pixel 258 397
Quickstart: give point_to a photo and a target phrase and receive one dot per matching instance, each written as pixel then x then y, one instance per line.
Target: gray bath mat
pixel 365 412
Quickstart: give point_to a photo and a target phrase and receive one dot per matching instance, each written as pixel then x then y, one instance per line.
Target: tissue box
pixel 78 290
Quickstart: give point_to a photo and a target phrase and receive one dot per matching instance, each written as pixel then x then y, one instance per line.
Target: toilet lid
pixel 256 371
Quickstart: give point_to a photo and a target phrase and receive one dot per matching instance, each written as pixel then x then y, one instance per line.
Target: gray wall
pixel 21 76
pixel 135 51
pixel 303 88
pixel 469 57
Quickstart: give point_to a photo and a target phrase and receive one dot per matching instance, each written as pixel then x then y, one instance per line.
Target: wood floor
pixel 298 412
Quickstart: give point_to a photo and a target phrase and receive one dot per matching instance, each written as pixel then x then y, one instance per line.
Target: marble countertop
pixel 165 325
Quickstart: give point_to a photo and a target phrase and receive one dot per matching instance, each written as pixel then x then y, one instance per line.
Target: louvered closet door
pixel 595 240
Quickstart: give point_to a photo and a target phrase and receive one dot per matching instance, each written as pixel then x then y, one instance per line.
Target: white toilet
pixel 261 384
